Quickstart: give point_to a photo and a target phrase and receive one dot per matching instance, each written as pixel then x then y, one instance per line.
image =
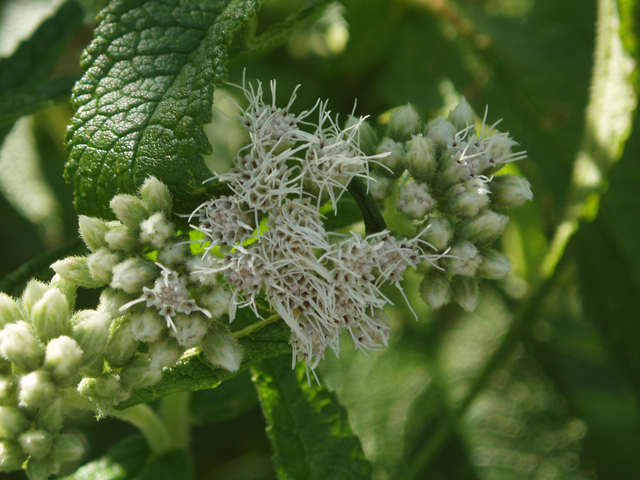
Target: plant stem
pixel 174 410
pixel 150 425
pixel 256 326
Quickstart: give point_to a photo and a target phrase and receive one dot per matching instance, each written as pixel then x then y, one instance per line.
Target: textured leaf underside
pixel 147 91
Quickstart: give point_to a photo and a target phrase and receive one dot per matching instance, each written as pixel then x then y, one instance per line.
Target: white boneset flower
pixel 169 296
pixel 223 222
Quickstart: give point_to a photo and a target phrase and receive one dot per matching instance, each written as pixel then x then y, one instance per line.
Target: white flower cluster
pixel 318 282
pixel 445 179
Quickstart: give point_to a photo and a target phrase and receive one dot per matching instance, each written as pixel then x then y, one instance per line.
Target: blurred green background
pixel 559 398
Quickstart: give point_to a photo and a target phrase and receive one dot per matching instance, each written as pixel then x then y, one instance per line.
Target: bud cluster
pixel 445 175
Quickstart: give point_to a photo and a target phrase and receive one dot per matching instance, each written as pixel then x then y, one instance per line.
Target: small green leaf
pixel 309 430
pixel 121 462
pixel 194 373
pixel 170 466
pixel 147 91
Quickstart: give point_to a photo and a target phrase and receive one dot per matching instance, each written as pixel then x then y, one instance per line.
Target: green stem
pixel 150 425
pixel 254 327
pixel 373 220
pixel 174 410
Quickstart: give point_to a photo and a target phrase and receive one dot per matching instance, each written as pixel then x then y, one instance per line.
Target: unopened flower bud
pixel 50 315
pixel 139 374
pixel 121 345
pixel 67 448
pixel 467 199
pixel 111 300
pixel 164 353
pixel 36 389
pixel 495 265
pixel 368 136
pixel 75 269
pixel 122 238
pixel 435 289
pixel 421 157
pixel 484 228
pixel 147 325
pixel 42 469
pixel 104 391
pixel 130 210
pixel 67 288
pixel 403 123
pixel 156 230
pixel 499 147
pixel 452 171
pixel 11 456
pixel 36 443
pixel 463 259
pixel 9 311
pixel 133 274
pixel 156 196
pixel 394 162
pixel 173 254
pixel 12 423
pixel 33 292
pixel 465 292
pixel 91 331
pixel 19 345
pixel 379 187
pixel 510 191
pixel 462 115
pixel 439 233
pixel 441 132
pixel 101 263
pixel 51 415
pixel 92 231
pixel 221 349
pixel 217 301
pixel 415 201
pixel 198 267
pixel 7 390
pixel 63 358
pixel 189 329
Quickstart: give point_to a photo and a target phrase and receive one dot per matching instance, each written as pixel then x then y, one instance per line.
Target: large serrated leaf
pixel 309 430
pixel 170 466
pixel 195 374
pixel 147 91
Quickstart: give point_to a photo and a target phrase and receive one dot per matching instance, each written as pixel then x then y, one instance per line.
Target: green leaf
pixel 147 91
pixel 309 430
pixel 194 373
pixel 121 462
pixel 34 58
pixel 170 466
pixel 222 404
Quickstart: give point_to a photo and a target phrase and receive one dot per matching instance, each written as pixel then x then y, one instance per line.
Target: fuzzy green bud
pixel 465 292
pixel 63 358
pixel 421 157
pixel 462 116
pixel 156 230
pixel 484 228
pixel 379 187
pixel 147 325
pixel 173 254
pixel 36 443
pixel 91 331
pixel 67 448
pixel 189 329
pixel 19 345
pixel 217 301
pixel 104 391
pixel 51 416
pixel 50 315
pixel 510 191
pixel 495 265
pixel 130 210
pixel 36 389
pixel 75 270
pixel 121 345
pixel 122 238
pixel 394 162
pixel 221 349
pixel 404 122
pixel 463 259
pixel 164 353
pixel 12 423
pixel 111 300
pixel 156 196
pixel 133 274
pixel 414 200
pixel 9 311
pixel 42 469
pixel 101 263
pixel 435 289
pixel 33 292
pixel 7 390
pixel 466 199
pixel 452 171
pixel 92 231
pixel 439 233
pixel 67 288
pixel 11 456
pixel 139 374
pixel 441 132
pixel 368 136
